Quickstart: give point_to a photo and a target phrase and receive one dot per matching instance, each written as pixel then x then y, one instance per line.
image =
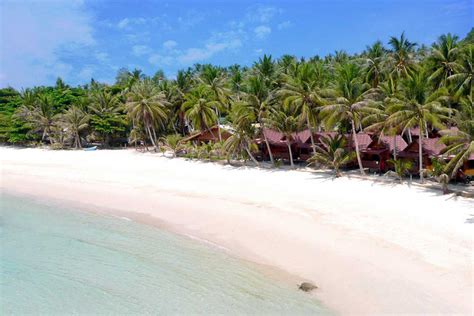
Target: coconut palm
pixel 258 103
pixel 332 154
pixel 286 122
pixel 74 121
pixel 402 167
pixel 351 95
pixel 301 91
pixel 464 76
pixel 39 111
pixel 402 54
pixel 374 63
pixel 242 138
pixel 444 59
pixel 213 78
pixel 199 107
pixel 146 105
pixel 106 116
pixel 460 143
pixel 419 106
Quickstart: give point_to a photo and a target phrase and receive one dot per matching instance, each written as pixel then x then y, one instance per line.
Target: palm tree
pixel 146 105
pixel 351 95
pixel 286 122
pixel 199 107
pixel 301 90
pixel 173 142
pixel 242 138
pixel 444 58
pixel 402 51
pixel 39 111
pixel 402 167
pixel 419 106
pixel 74 121
pixel 213 78
pixel 460 143
pixel 464 77
pixel 258 101
pixel 332 153
pixel 374 63
pixel 106 109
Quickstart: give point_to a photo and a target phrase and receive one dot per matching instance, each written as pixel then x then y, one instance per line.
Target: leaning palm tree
pixel 332 154
pixel 460 143
pixel 351 96
pixel 402 54
pixel 198 107
pixel 146 105
pixel 286 122
pixel 74 121
pixel 301 91
pixel 419 106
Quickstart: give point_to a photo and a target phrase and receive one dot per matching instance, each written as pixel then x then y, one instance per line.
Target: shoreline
pixel 348 236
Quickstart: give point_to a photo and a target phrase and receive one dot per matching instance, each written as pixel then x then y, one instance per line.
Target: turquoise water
pixel 55 261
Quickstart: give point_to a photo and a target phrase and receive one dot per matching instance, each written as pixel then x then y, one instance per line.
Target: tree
pixel 106 118
pixel 463 79
pixel 444 59
pixel 374 63
pixel 332 154
pixel 287 123
pixel 199 107
pixel 172 142
pixel 402 54
pixel 351 95
pixel 146 105
pixel 419 106
pixel 73 122
pixel 301 90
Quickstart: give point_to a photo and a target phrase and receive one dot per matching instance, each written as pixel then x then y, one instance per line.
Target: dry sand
pixel 371 248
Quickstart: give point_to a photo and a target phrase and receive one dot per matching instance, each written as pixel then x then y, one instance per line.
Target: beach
pixel 371 248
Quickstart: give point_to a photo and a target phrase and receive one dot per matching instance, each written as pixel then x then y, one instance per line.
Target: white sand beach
pixel 371 248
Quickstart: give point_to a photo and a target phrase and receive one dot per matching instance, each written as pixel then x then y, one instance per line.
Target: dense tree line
pixel 384 89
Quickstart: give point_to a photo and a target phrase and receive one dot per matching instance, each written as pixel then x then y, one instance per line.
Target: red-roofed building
pixel 431 147
pixel 379 151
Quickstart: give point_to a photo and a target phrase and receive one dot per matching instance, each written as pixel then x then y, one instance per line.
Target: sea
pixel 56 260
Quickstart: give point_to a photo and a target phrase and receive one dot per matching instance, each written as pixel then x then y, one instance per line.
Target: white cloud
pixel 123 23
pixel 284 25
pixel 160 60
pixel 33 34
pixel 140 50
pixel 262 31
pixel 102 56
pixel 262 14
pixel 170 44
pixel 129 22
pixel 193 55
pixel 258 51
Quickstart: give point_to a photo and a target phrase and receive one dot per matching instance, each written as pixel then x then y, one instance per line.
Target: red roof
pixel 273 137
pixel 389 141
pixel 433 146
pixel 363 140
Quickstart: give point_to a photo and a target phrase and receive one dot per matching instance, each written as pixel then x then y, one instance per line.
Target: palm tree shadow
pixel 470 220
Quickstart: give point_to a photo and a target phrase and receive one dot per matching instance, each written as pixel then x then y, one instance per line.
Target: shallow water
pixel 55 260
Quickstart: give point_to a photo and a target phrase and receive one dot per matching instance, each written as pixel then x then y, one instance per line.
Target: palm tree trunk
pixel 311 133
pixel 395 147
pixel 218 126
pixel 151 136
pixel 77 141
pixel 291 154
pixel 251 156
pixel 420 156
pixel 359 161
pixel 268 145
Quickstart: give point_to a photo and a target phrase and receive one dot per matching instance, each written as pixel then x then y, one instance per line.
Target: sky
pixel 83 39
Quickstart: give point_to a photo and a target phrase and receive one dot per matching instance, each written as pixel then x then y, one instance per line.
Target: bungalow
pixel 431 147
pixel 278 145
pixel 376 154
pixel 209 135
pixel 468 167
pixel 304 148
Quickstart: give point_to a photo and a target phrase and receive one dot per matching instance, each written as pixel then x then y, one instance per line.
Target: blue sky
pixel 80 39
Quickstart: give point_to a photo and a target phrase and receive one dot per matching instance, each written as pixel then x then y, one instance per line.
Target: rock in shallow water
pixel 307 287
